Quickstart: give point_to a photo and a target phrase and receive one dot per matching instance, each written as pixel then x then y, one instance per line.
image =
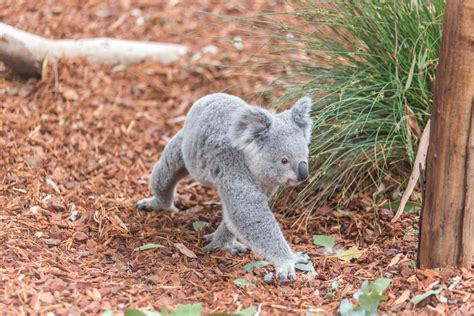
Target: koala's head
pixel 275 146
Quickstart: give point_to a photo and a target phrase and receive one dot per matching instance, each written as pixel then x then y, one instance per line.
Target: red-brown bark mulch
pixel 76 150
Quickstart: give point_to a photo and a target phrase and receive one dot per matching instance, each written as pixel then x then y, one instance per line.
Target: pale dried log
pixel 24 52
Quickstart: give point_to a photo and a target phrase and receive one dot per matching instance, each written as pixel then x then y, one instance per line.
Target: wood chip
pixel 47 298
pixel 402 298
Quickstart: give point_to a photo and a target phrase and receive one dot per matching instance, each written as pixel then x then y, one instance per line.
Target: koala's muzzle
pixel 302 171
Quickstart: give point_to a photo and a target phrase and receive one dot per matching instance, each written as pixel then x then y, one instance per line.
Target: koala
pixel 246 153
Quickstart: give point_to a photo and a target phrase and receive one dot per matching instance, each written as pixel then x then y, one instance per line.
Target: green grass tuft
pixel 370 67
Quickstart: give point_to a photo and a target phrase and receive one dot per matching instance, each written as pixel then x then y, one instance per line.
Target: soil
pixel 76 151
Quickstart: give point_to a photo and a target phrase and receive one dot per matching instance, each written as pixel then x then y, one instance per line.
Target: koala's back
pixel 206 147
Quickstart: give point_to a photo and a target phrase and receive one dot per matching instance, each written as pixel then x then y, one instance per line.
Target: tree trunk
pixel 447 219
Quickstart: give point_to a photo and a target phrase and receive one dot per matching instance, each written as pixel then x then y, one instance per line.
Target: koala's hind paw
pixel 286 272
pixel 232 246
pixel 153 204
pixel 236 248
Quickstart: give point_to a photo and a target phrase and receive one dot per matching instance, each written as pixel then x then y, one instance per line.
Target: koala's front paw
pixel 153 204
pixel 232 246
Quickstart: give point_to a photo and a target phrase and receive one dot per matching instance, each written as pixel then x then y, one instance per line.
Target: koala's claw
pixel 301 257
pixel 232 246
pixel 153 204
pixel 286 273
pixel 207 237
pixel 237 248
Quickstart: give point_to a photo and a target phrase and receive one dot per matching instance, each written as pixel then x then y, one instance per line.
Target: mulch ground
pixel 76 150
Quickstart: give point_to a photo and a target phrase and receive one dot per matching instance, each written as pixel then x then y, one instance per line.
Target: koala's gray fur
pixel 245 152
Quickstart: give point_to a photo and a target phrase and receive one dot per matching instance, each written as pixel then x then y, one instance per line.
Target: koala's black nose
pixel 302 171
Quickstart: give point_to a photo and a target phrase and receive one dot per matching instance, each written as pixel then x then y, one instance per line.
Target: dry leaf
pixel 94 294
pixel 349 254
pixel 395 260
pixel 117 221
pixel 418 165
pixel 185 251
pixel 413 126
pixel 429 273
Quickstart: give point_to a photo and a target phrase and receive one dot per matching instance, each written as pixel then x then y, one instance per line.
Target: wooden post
pixel 447 219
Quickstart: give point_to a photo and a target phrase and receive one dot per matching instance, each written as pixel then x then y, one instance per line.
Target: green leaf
pixel 418 298
pixel 107 312
pixel 323 240
pixel 442 299
pixel 421 64
pixel 249 311
pixel 335 284
pixel 165 311
pixel 381 284
pixel 370 302
pixel 134 312
pixel 308 267
pixel 364 288
pixel 410 207
pixel 349 254
pixel 370 296
pixel 38 234
pixel 255 265
pixel 188 310
pixel 148 246
pixel 198 225
pixel 243 283
pixel 358 311
pixel 345 308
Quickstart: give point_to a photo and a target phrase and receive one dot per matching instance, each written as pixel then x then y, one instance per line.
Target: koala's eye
pixel 284 160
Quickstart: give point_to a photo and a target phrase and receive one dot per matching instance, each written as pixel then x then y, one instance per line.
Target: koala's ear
pixel 248 124
pixel 300 113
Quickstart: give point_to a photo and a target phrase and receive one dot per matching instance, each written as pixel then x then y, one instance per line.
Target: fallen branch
pixel 418 166
pixel 24 52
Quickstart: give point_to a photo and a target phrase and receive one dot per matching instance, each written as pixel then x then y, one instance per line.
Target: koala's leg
pixel 223 238
pixel 248 217
pixel 165 175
